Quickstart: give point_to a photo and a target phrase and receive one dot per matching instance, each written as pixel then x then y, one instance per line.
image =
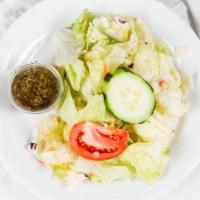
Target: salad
pixel 121 105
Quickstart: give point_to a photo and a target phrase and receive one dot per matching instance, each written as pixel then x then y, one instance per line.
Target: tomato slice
pixel 95 142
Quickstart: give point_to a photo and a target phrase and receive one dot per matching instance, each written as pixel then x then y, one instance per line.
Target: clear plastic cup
pixel 33 65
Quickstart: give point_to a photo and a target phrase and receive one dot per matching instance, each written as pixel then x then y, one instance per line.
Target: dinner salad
pixel 121 104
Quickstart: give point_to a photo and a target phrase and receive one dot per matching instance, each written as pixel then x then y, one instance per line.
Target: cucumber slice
pixel 129 97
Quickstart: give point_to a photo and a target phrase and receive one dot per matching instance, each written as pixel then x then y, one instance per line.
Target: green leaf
pixel 80 27
pixel 96 69
pixel 50 132
pixel 68 111
pixel 109 173
pixel 60 170
pixel 143 33
pixel 148 159
pixel 94 110
pixel 76 72
pixel 162 48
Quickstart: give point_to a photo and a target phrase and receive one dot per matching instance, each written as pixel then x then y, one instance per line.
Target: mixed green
pixel 121 86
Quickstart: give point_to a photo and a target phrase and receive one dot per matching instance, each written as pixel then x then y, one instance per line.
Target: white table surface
pixel 10 189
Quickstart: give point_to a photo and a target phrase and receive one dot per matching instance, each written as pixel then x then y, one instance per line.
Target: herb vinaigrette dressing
pixel 35 88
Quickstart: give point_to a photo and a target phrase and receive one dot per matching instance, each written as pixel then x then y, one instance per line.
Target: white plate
pixel 27 41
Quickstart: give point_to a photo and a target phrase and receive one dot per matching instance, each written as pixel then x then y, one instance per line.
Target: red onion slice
pixel 33 146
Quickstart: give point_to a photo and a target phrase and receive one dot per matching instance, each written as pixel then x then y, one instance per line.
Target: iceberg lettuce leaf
pixel 148 159
pixel 68 111
pixel 60 170
pixel 80 27
pixel 94 111
pixel 76 72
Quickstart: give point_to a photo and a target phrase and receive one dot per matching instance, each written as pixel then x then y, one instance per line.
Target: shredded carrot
pixel 163 83
pixel 41 162
pixel 105 70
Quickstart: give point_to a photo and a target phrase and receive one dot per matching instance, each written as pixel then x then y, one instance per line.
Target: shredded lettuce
pixel 68 111
pixel 104 171
pixel 172 102
pixel 168 72
pixel 146 62
pixel 113 28
pixel 88 87
pixel 76 72
pixel 150 133
pixel 80 27
pixel 62 72
pixel 187 85
pixel 162 47
pixel 96 69
pixel 85 53
pixel 75 178
pixel 98 52
pixel 60 170
pixel 60 154
pixel 108 174
pixel 148 159
pixel 64 48
pixel 116 58
pixel 143 33
pixel 94 35
pixel 50 134
pixel 94 111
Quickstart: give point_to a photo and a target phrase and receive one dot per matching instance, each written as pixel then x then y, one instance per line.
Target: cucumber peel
pixel 128 96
